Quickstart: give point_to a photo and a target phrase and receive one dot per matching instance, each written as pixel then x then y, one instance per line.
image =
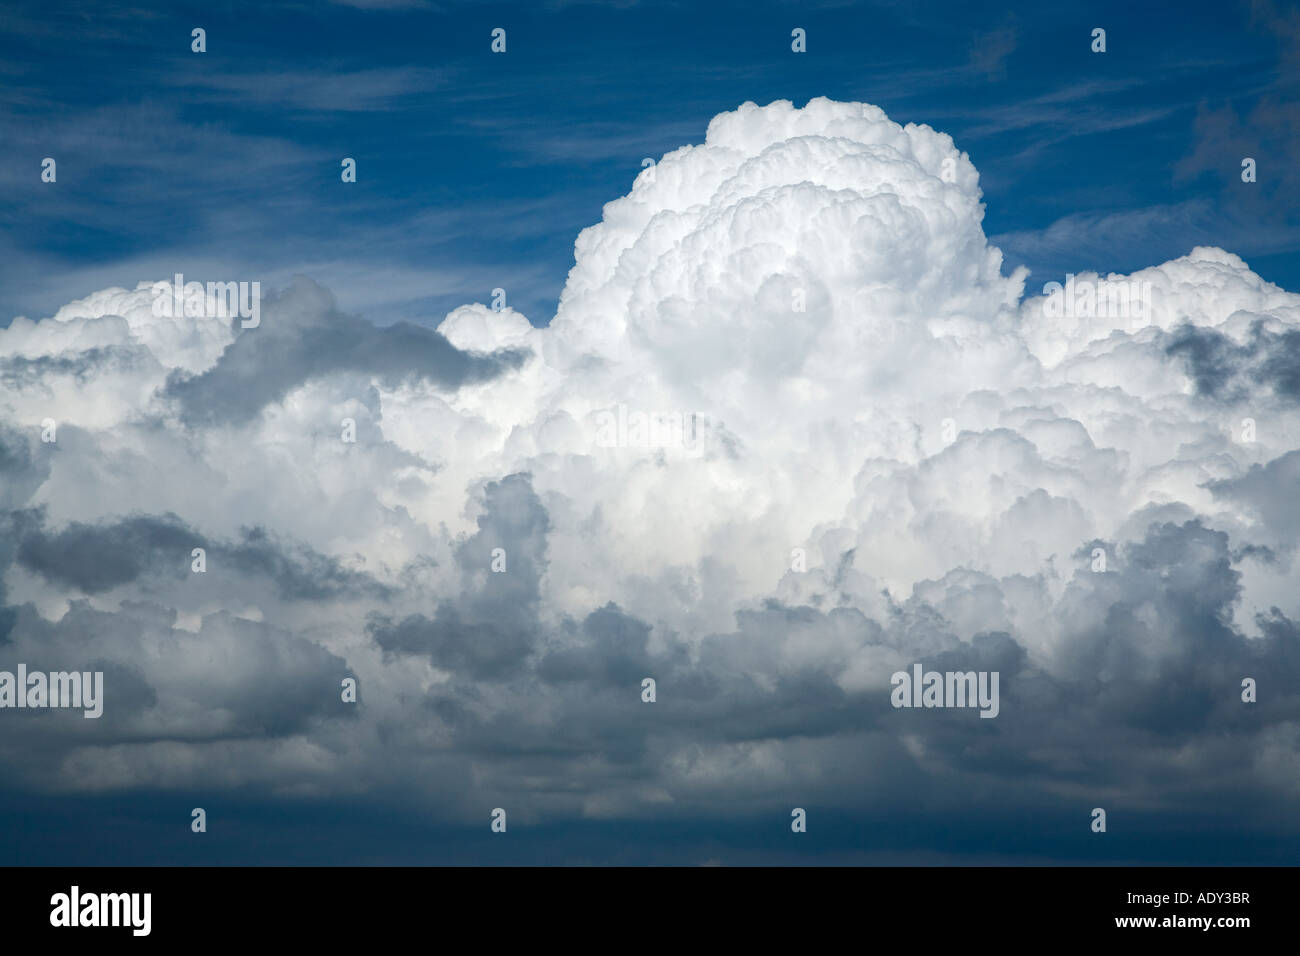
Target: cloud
pixel 1217 363
pixel 1269 134
pixel 358 90
pixel 97 558
pixel 794 427
pixel 309 338
pixel 990 49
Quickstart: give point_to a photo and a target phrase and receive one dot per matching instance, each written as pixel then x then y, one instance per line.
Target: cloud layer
pixel 791 429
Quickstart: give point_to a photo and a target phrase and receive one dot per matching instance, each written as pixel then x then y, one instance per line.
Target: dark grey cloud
pixel 1150 667
pixel 488 630
pixel 97 558
pixel 299 572
pixel 25 372
pixel 1224 370
pixel 94 558
pixel 23 469
pixel 233 679
pixel 476 649
pixel 303 336
pixel 1142 697
pixel 612 650
pixel 1270 492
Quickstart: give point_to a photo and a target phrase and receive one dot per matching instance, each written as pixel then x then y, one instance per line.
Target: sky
pixel 522 422
pixel 476 171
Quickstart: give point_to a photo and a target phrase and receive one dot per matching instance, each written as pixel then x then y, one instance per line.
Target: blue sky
pixel 478 170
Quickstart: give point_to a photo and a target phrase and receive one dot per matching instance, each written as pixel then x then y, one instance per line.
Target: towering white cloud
pixel 792 336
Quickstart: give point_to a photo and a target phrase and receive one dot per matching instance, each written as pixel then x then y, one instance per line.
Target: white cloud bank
pixel 825 431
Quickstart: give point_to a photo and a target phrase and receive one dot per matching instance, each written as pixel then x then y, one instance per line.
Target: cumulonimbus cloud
pixel 792 428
